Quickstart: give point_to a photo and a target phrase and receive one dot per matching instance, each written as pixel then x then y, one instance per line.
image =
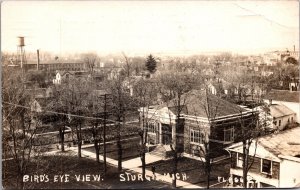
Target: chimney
pixel 38 59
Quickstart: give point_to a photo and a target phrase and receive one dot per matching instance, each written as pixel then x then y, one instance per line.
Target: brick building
pixel 203 116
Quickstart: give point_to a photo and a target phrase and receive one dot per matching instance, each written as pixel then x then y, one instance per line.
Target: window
pixel 266 166
pixel 292 119
pixel 196 136
pixel 151 128
pixel 239 162
pixel 275 122
pixel 279 123
pixel 229 134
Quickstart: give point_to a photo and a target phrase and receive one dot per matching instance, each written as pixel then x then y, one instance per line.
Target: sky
pixel 143 27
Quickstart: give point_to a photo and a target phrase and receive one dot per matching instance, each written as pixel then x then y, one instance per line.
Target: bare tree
pixel 205 101
pixel 127 66
pixel 91 59
pixel 259 126
pixel 98 104
pixel 146 94
pixel 18 129
pixel 238 77
pixel 173 87
pixel 77 91
pixel 121 105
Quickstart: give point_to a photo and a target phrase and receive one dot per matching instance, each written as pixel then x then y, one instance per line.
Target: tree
pixel 258 126
pixel 56 113
pixel 146 94
pixel 38 77
pixel 77 91
pixel 18 129
pixel 210 105
pixel 128 65
pixel 122 104
pixel 173 87
pixel 98 104
pixel 291 60
pixel 239 77
pixel 91 59
pixel 151 64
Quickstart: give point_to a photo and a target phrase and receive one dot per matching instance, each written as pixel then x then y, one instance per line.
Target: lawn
pixel 194 169
pixel 68 163
pixel 131 149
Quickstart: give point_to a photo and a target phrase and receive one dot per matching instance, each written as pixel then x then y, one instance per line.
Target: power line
pixel 94 118
pixel 61 113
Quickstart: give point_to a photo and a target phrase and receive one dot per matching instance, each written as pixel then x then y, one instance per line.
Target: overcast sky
pixel 144 27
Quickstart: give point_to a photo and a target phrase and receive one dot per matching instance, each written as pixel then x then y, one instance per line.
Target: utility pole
pixel 104 134
pixel 38 59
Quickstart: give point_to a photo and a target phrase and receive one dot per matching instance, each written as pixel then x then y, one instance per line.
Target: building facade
pixel 204 118
pixel 276 161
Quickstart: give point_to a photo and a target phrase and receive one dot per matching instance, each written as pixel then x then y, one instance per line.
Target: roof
pixel 199 102
pixel 280 110
pixel 286 143
pixel 283 95
pixel 62 72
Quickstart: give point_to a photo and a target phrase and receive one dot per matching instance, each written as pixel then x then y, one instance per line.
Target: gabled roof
pixel 203 104
pixel 286 143
pixel 62 72
pixel 280 110
pixel 283 95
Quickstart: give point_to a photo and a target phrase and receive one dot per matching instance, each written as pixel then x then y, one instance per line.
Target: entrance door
pixel 166 134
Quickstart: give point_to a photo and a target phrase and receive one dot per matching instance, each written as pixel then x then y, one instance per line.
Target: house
pixel 130 82
pixel 285 97
pixel 64 76
pixel 61 76
pixel 203 115
pixel 282 116
pixel 276 161
pixel 40 98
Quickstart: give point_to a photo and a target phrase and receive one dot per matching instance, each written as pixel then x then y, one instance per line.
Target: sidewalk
pixel 134 165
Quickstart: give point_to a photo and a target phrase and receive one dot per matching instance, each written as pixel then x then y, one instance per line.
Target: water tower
pixel 21 58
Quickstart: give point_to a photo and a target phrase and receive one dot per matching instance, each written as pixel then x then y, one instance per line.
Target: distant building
pixel 276 162
pixel 271 58
pixel 64 76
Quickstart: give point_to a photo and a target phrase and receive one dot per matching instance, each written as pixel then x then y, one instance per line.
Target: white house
pixel 276 161
pixel 285 97
pixel 282 115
